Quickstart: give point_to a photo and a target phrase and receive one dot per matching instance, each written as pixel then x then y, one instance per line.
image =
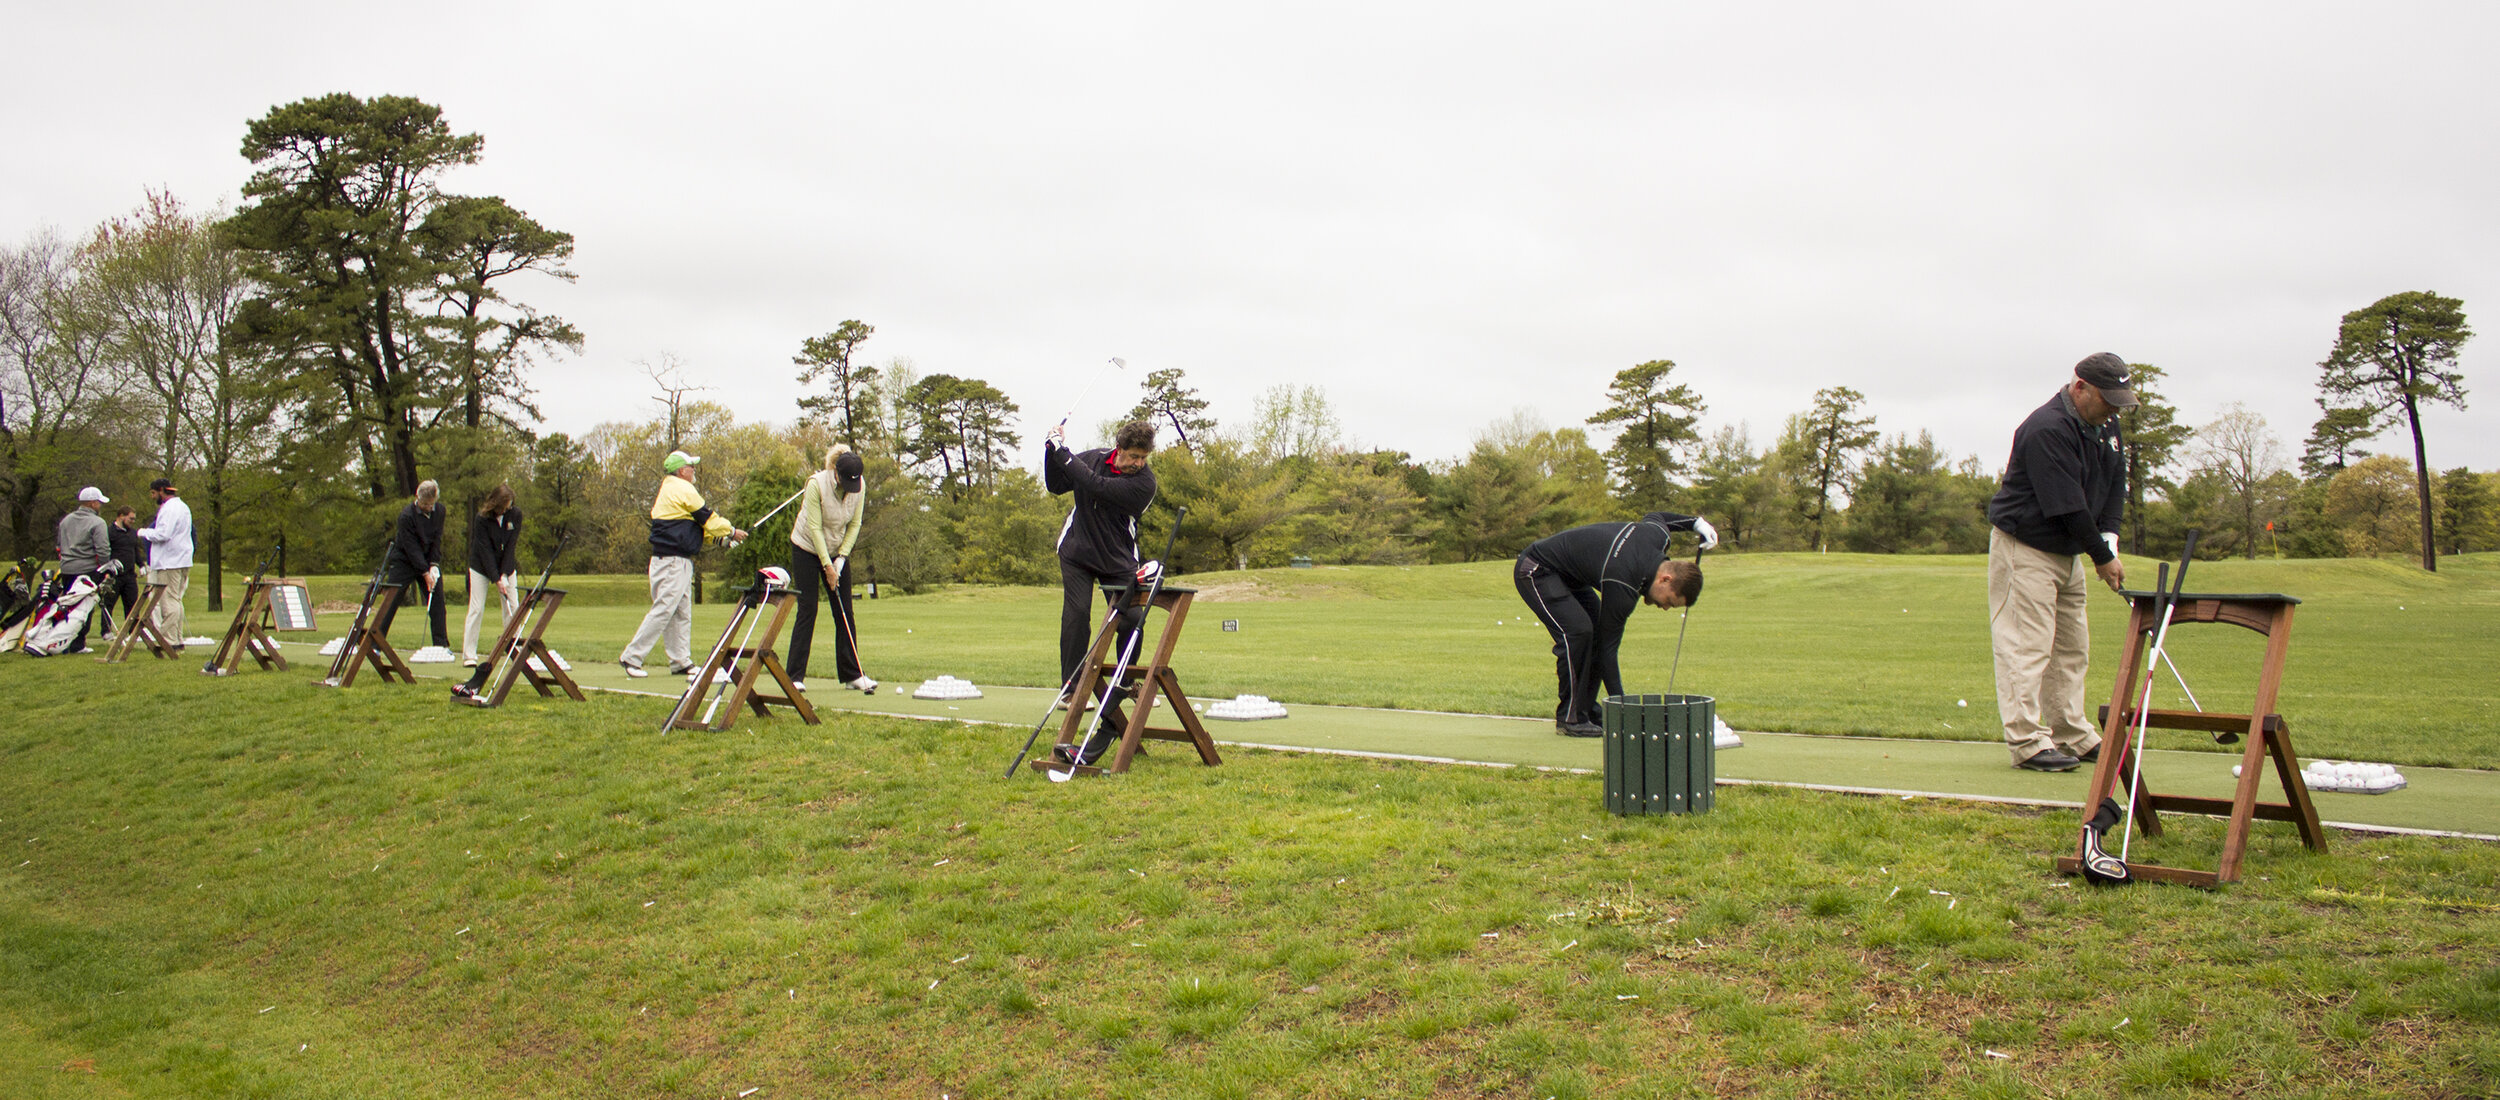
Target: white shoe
pixel 468 662
pixel 863 685
pixel 635 671
pixel 798 686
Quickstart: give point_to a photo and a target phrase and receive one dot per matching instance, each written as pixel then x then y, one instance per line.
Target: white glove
pixel 1709 535
pixel 1147 573
pixel 507 584
pixel 2110 537
pixel 839 564
pixel 1058 435
pixel 433 575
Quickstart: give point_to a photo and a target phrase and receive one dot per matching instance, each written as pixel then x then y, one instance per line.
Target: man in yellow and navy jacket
pixel 680 522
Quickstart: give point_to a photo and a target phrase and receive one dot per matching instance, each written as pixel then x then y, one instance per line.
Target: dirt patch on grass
pixel 1235 592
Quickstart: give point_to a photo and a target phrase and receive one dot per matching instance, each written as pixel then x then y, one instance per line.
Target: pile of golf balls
pixel 2328 775
pixel 946 687
pixel 1244 708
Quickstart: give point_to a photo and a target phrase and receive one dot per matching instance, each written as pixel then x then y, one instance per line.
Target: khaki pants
pixel 169 606
pixel 479 585
pixel 2043 646
pixel 670 623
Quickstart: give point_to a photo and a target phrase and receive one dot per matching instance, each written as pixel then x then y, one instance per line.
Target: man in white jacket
pixel 169 556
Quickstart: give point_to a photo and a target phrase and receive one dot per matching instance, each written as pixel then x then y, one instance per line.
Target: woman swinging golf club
pixel 831 510
pixel 1098 543
pixel 1584 583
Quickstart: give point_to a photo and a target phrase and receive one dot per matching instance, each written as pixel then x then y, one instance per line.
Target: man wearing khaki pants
pixel 2057 506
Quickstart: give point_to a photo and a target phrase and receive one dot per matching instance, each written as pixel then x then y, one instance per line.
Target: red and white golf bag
pixel 55 625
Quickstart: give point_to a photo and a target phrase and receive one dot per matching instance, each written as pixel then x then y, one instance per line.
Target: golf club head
pixel 1118 363
pixel 1059 774
pixel 2099 867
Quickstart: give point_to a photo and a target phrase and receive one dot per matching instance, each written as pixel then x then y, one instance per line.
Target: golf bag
pixel 26 589
pixel 54 626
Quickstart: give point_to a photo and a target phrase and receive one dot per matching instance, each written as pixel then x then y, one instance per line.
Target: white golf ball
pixel 1961 702
pixel 2235 771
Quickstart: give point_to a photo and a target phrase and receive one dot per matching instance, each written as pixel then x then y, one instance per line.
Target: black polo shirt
pixel 2065 483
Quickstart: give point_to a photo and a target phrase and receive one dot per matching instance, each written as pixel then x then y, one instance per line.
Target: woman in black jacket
pixel 494 562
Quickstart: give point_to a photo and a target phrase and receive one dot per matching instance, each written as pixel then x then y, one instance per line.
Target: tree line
pixel 298 364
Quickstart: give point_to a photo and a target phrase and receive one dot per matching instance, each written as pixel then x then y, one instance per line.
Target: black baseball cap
pixel 2108 374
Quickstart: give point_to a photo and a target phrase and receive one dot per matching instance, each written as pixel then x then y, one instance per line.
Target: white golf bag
pixel 55 625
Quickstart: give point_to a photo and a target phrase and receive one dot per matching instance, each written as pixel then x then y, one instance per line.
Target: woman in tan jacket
pixel 830 511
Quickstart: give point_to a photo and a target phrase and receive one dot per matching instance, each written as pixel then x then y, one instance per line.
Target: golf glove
pixel 2110 537
pixel 835 570
pixel 1709 535
pixel 1147 573
pixel 433 575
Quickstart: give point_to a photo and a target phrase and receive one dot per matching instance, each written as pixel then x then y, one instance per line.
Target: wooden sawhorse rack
pixel 746 664
pixel 2269 737
pixel 246 635
pixel 365 644
pixel 514 655
pixel 1147 681
pixel 139 628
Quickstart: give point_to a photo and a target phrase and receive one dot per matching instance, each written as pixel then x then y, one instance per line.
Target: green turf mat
pixel 2438 799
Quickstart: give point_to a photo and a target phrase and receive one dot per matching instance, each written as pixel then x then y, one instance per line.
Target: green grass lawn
pixel 2387 663
pixel 251 887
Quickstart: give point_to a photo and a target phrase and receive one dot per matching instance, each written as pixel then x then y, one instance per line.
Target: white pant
pixel 479 583
pixel 670 622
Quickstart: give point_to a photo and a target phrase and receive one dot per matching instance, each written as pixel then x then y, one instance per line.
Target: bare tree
pixel 2238 448
pixel 54 394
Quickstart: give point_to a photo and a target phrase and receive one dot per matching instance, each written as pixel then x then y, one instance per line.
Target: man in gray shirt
pixel 84 549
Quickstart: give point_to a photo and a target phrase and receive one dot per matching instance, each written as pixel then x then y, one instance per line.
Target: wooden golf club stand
pixel 139 628
pixel 366 644
pixel 1143 683
pixel 746 663
pixel 246 634
pixel 515 655
pixel 2269 737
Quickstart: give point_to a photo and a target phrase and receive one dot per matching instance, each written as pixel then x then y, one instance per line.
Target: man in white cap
pixel 2057 506
pixel 169 556
pixel 85 547
pixel 680 522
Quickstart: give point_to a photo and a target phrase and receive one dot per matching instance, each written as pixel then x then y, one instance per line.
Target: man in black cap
pixel 2057 506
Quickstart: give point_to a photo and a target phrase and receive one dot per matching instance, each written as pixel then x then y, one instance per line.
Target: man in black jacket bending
pixel 1098 543
pixel 2059 504
pixel 1584 583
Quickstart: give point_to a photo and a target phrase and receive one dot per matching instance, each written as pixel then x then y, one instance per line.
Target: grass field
pixel 256 888
pixel 2387 663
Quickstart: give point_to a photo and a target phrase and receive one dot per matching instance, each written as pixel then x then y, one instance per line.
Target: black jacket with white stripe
pixel 1100 535
pixel 1617 559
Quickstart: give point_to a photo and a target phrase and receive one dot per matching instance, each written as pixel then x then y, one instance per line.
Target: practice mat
pixel 2435 799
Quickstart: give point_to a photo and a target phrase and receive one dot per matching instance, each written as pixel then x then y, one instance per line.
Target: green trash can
pixel 1661 753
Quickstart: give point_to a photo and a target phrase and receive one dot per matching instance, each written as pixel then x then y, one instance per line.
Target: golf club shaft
pixel 2166 589
pixel 1681 622
pixel 1116 364
pixel 755 618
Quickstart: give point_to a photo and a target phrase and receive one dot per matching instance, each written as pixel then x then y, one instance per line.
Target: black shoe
pixel 2050 760
pixel 2091 755
pixel 463 691
pixel 1580 729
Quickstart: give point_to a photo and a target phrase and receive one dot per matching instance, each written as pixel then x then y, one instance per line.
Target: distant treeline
pixel 299 364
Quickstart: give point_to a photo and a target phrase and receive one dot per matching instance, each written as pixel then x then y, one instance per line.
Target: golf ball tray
pixel 1246 708
pixel 946 687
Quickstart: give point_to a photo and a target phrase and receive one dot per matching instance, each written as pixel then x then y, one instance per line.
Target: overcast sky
pixel 1441 213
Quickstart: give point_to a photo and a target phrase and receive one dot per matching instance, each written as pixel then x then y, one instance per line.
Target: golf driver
pixel 2166 589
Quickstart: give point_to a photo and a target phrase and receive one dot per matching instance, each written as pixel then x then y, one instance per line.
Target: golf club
pixel 758 525
pixel 679 710
pixel 754 599
pixel 1681 622
pixel 356 629
pixel 1117 365
pixel 844 621
pixel 1128 653
pixel 2166 589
